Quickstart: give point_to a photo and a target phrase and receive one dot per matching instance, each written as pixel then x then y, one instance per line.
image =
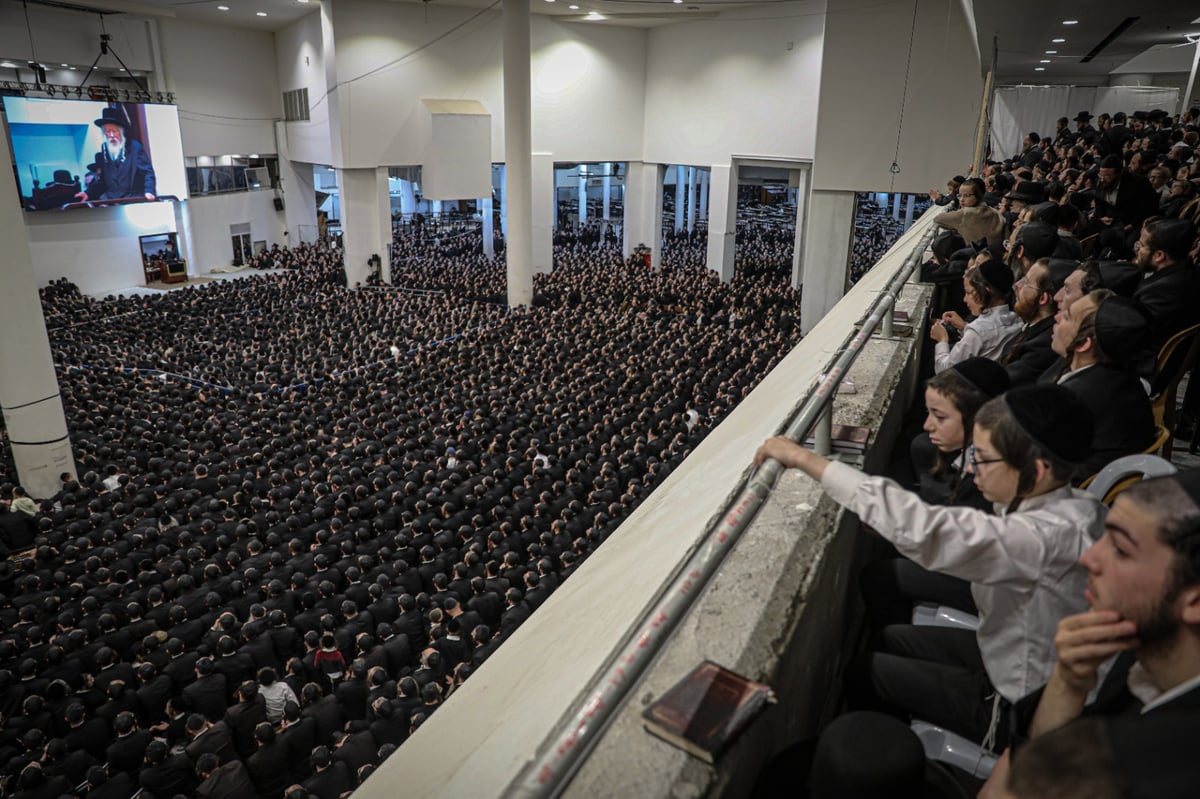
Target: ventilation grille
pixel 295 105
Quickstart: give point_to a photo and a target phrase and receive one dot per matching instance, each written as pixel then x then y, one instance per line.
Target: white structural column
pixel 827 243
pixel 643 209
pixel 801 179
pixel 485 213
pixel 909 208
pixel 608 168
pixel 582 193
pixel 722 220
pixel 518 145
pixel 32 407
pixel 408 198
pixel 544 212
pixel 503 201
pixel 896 205
pixel 366 219
pixel 296 187
pixel 705 177
pixel 680 196
pixel 691 198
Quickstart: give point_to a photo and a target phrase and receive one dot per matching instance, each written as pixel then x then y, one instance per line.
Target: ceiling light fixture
pixel 260 13
pixel 1044 61
pixel 222 8
pixel 573 8
pixel 1058 41
pixel 1051 52
pixel 595 16
pixel 1039 69
pixel 1070 22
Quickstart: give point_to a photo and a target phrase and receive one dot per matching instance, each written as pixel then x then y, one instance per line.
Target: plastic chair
pixel 947 747
pixel 926 614
pixel 1124 472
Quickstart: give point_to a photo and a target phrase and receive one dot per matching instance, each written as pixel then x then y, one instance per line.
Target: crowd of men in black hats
pixel 305 514
pixel 875 231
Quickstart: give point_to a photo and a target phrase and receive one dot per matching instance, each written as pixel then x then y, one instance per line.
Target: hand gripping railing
pixel 548 773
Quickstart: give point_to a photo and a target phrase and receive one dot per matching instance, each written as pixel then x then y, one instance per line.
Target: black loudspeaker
pixel 278 203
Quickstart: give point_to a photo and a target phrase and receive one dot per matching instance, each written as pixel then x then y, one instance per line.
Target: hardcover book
pixel 706 710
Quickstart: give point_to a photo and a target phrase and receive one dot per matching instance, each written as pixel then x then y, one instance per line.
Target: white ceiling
pixel 1025 28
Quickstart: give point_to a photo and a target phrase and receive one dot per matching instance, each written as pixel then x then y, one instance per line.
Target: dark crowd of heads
pixel 304 515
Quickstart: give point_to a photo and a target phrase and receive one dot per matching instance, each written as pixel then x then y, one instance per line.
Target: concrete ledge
pixel 487 732
pixel 777 611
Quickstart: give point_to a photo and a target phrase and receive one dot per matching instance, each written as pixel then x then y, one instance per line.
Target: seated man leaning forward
pixel 1022 562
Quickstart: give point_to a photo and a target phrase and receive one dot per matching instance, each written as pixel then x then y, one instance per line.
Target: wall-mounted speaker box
pixel 278 203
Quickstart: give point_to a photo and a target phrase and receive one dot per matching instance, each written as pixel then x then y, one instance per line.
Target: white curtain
pixel 1019 110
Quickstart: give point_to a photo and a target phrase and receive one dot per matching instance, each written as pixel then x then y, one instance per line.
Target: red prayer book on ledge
pixel 706 710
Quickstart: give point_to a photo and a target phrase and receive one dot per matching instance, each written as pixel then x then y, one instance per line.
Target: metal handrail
pixel 548 774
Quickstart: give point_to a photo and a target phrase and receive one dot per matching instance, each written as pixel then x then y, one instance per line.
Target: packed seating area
pixel 304 515
pixel 1027 632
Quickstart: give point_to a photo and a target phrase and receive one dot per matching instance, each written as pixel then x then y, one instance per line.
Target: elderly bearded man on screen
pixel 125 168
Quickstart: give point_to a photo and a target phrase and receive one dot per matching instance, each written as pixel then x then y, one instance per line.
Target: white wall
pixel 211 218
pixel 730 86
pixel 588 82
pixel 862 85
pixel 300 64
pixel 96 248
pixel 224 81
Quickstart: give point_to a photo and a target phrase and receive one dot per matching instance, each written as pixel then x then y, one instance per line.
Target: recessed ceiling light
pixel 1070 22
pixel 1044 61
pixel 8 65
pixel 1039 69
pixel 595 16
pixel 1051 52
pixel 573 8
pixel 66 65
pixel 260 13
pixel 302 1
pixel 1058 41
pixel 222 8
pixel 122 69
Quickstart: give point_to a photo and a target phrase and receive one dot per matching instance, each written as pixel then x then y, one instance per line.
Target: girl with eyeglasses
pixel 1022 562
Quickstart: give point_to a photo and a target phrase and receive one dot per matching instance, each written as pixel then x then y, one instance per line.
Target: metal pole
pixel 1187 93
pixel 563 753
pixel 985 115
pixel 823 431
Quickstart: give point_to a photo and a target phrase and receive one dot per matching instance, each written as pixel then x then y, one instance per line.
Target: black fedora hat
pixel 1083 116
pixel 112 116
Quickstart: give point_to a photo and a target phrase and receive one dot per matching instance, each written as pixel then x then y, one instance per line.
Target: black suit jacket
pixel 1136 200
pixel 300 738
pixel 1029 354
pixel 215 740
pixel 330 783
pixel 132 176
pixel 175 775
pixel 126 754
pixel 207 695
pixel 270 769
pixel 230 781
pixel 242 718
pixel 1170 297
pixel 1121 409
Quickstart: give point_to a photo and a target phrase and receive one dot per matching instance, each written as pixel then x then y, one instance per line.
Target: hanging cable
pixel 912 35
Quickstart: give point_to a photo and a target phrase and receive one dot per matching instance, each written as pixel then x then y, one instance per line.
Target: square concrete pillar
pixel 722 220
pixel 643 209
pixel 828 242
pixel 545 211
pixel 366 219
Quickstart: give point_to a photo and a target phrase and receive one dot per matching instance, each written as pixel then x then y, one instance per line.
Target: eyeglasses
pixel 975 461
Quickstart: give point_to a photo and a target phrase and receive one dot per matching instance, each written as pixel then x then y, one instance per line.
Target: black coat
pixel 1029 354
pixel 330 783
pixel 1170 297
pixel 1121 410
pixel 230 781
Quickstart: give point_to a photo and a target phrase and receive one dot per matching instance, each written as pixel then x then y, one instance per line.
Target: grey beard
pixel 116 155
